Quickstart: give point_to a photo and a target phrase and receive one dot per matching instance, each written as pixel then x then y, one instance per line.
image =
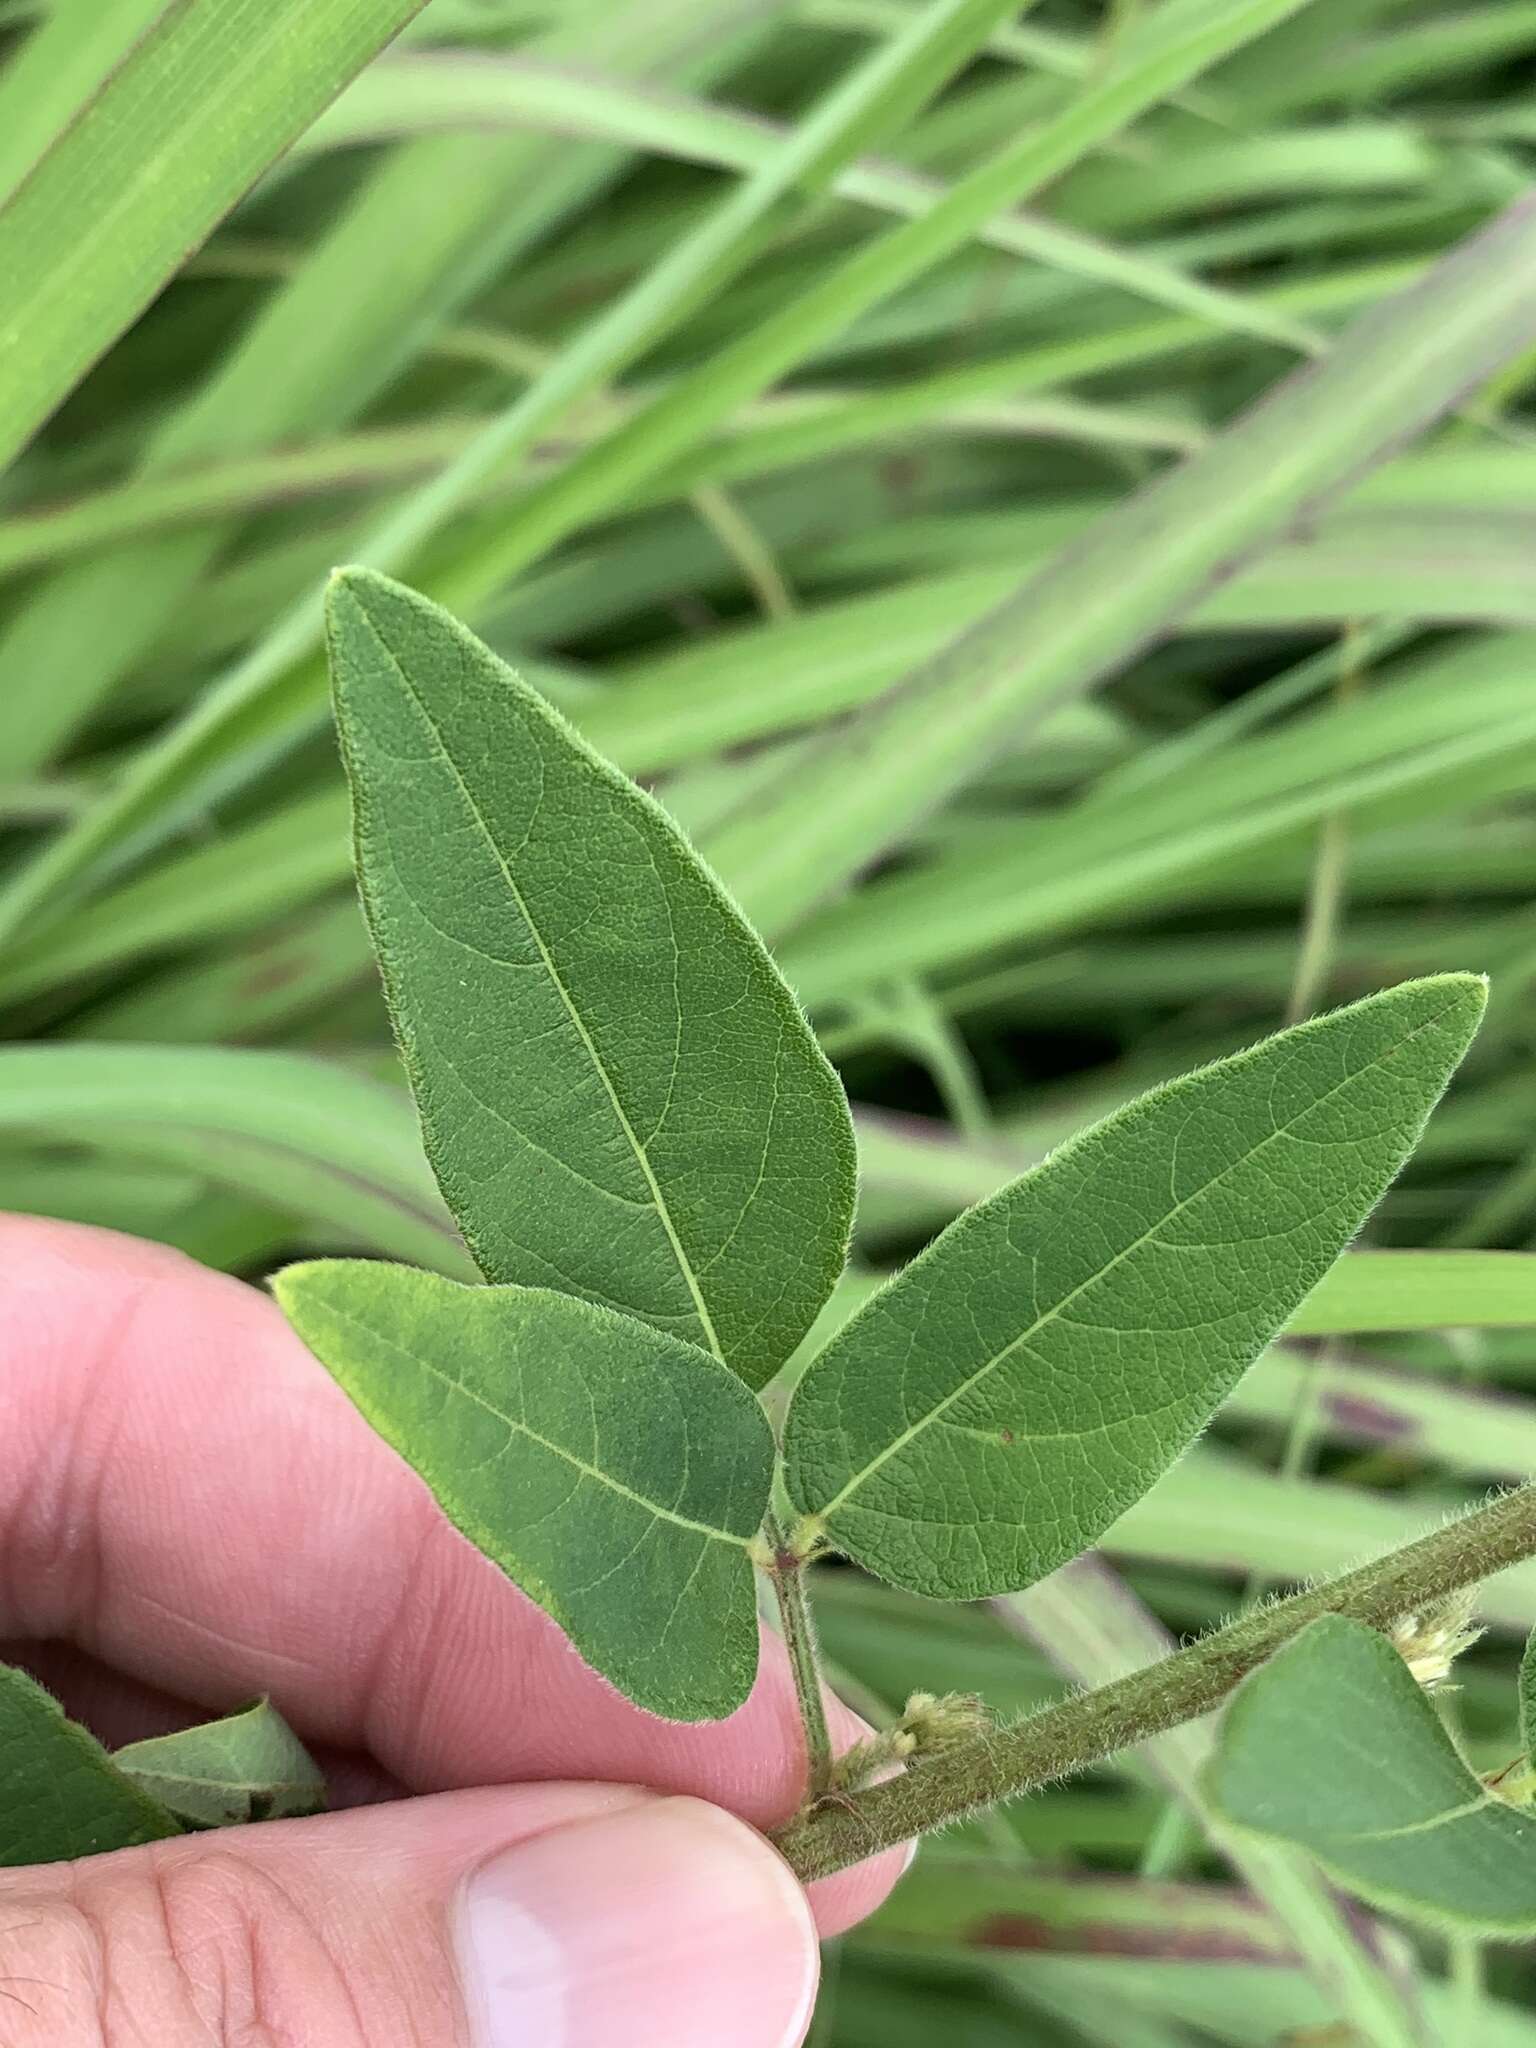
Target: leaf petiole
pixel 786 1570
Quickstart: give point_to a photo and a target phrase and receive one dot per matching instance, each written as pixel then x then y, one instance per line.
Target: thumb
pixel 543 1916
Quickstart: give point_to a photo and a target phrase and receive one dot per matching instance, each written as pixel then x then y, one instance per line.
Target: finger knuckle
pixel 175 1951
pixel 52 1975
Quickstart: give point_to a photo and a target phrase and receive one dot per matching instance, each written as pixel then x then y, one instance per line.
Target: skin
pixel 191 1513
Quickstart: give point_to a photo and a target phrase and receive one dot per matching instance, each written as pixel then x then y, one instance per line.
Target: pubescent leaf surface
pixel 61 1795
pixel 619 1094
pixel 1332 1746
pixel 615 1473
pixel 989 1413
pixel 248 1766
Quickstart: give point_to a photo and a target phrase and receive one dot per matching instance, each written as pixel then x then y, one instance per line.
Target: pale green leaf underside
pixel 991 1412
pixel 615 1473
pixel 618 1092
pixel 60 1793
pixel 248 1766
pixel 1333 1746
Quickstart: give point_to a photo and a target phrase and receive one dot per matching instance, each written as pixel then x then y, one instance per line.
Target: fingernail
pixel 663 1925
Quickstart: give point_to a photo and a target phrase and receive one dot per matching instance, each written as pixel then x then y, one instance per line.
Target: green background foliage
pixel 728 473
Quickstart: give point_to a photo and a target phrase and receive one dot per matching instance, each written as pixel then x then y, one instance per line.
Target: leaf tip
pixel 295 1288
pixel 1474 987
pixel 354 592
pixel 1467 997
pixel 1451 1005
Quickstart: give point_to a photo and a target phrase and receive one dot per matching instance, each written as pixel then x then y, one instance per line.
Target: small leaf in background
pixel 1528 1697
pixel 1332 1746
pixel 249 1766
pixel 992 1411
pixel 615 1473
pixel 619 1093
pixel 61 1795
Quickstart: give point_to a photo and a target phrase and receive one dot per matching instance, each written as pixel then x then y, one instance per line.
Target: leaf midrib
pixel 1059 1308
pixel 593 1472
pixel 658 1199
pixel 1481 1804
pixel 146 1776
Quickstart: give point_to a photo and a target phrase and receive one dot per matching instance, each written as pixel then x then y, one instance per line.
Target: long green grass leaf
pixel 303 1134
pixel 195 112
pixel 1135 573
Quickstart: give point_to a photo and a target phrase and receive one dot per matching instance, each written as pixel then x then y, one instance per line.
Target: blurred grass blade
pixel 419 237
pixel 198 109
pixel 1134 574
pixel 1473 1430
pixel 276 691
pixel 1227 1515
pixel 279 862
pixel 956 1898
pixel 1175 44
pixel 1414 1290
pixel 62 63
pixel 1390 757
pixel 827 660
pixel 303 1134
pixel 449 89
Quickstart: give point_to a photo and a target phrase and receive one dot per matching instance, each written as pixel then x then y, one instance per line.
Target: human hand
pixel 193 1514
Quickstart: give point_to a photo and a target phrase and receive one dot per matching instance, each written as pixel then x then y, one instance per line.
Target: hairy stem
pixel 799 1631
pixel 1081 1730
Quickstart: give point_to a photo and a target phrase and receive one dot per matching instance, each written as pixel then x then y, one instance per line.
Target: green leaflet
pixel 248 1766
pixel 61 1795
pixel 1333 1746
pixel 993 1410
pixel 1528 1697
pixel 618 1092
pixel 615 1473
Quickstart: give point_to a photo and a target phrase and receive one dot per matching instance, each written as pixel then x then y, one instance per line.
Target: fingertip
pixel 668 1924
